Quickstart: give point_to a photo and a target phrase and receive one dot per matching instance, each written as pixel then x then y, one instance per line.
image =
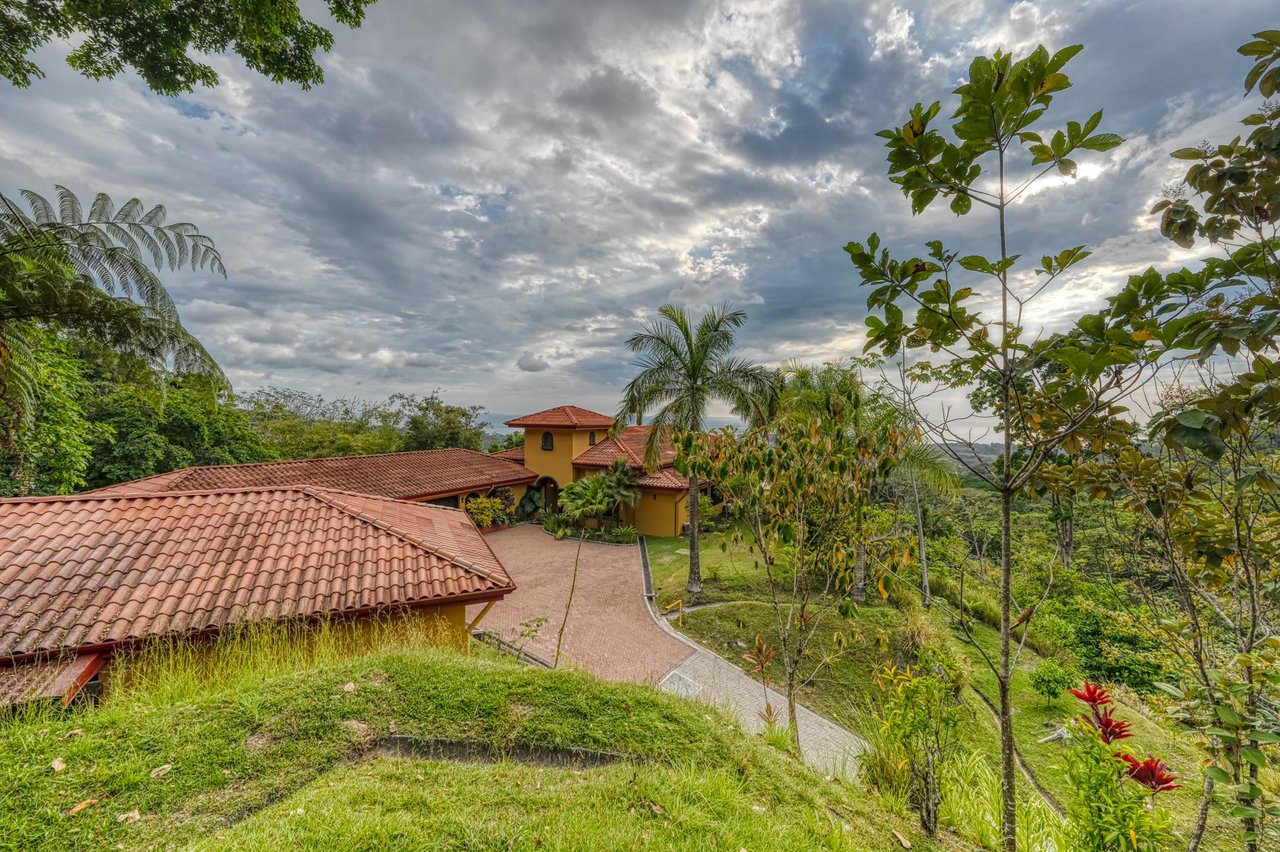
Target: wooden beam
pixel 471 628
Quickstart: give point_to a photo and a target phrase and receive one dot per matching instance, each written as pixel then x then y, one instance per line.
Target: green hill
pixel 415 750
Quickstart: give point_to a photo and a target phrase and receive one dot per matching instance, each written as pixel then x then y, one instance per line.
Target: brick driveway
pixel 609 632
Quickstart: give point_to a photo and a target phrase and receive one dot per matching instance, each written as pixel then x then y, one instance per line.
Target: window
pixel 548 441
pixel 591 439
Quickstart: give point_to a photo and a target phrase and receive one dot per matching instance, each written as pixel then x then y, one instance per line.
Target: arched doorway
pixel 550 490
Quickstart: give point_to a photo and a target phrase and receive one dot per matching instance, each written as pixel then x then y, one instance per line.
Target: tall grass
pixel 174 670
pixel 971 805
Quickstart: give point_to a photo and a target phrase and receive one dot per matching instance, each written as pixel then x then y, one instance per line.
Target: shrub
pixel 530 505
pixel 555 522
pixel 486 511
pixel 1051 679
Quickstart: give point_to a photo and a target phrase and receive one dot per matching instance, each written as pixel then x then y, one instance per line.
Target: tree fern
pixel 95 276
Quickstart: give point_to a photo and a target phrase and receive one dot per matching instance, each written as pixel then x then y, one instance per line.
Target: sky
pixel 487 198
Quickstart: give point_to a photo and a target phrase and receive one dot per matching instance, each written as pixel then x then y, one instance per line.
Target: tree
pixel 153 431
pixel 509 441
pixel 157 39
pixel 300 425
pixel 683 369
pixel 52 455
pixel 622 486
pixel 1051 678
pixel 798 485
pixel 429 423
pixel 1104 357
pixel 88 275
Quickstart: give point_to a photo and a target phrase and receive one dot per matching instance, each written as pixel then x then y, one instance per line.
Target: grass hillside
pixel 299 760
pixel 845 692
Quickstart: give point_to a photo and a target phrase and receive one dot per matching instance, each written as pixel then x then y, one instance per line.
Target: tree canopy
pixel 160 39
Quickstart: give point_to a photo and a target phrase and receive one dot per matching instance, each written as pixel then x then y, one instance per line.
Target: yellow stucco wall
pixel 661 513
pixel 558 462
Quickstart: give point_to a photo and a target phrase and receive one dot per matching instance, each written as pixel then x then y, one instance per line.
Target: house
pixel 566 443
pixel 87 576
pixel 441 477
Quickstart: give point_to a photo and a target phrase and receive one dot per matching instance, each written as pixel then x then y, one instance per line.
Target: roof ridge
pixel 186 471
pixel 325 496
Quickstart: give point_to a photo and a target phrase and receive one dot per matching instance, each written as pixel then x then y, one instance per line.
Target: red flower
pixel 1092 694
pixel 1152 773
pixel 1109 728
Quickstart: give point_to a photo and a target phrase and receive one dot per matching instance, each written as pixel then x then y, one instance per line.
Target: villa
pixel 85 577
pixel 566 443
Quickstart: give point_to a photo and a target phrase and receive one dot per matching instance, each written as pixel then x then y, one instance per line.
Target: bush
pixel 486 511
pixel 555 522
pixel 1051 679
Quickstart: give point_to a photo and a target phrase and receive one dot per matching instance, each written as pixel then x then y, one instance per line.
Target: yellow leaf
pixel 1133 836
pixel 884 593
pixel 1141 335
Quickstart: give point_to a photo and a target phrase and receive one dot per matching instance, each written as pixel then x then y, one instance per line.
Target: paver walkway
pixel 614 633
pixel 609 632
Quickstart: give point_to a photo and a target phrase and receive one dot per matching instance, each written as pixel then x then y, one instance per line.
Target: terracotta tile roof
pixel 90 571
pixel 666 479
pixel 61 677
pixel 515 454
pixel 630 445
pixel 419 475
pixel 563 417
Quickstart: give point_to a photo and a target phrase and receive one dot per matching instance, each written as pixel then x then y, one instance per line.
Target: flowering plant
pixel 1108 812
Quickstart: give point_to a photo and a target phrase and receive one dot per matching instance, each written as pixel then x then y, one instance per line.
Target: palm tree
pixel 683 369
pixel 86 275
pixel 622 485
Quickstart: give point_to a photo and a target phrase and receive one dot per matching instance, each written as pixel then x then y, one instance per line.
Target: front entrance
pixel 550 494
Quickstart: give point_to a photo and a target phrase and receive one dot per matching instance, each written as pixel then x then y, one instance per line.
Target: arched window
pixel 548 441
pixel 591 439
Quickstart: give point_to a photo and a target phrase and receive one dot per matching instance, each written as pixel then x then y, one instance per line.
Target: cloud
pixel 531 363
pixel 490 185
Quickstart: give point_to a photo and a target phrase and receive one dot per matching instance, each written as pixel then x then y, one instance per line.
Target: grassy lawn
pixel 278 762
pixel 729 572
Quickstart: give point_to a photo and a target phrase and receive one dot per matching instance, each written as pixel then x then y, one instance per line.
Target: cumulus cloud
pixel 491 184
pixel 532 363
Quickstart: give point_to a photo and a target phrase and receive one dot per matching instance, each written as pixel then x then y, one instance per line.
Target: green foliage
pixel 51 454
pixel 1051 679
pixel 487 511
pixel 90 275
pixel 509 442
pixel 1109 812
pixel 921 715
pixel 301 425
pixel 429 423
pixel 160 40
pixel 555 523
pixel 531 504
pixel 971 805
pixel 147 432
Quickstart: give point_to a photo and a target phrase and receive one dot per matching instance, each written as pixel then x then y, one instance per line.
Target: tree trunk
pixel 695 562
pixel 931 801
pixel 926 596
pixel 1202 817
pixel 791 706
pixel 859 562
pixel 1008 769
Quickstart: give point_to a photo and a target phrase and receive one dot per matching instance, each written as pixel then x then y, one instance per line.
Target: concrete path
pixel 706 676
pixel 614 632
